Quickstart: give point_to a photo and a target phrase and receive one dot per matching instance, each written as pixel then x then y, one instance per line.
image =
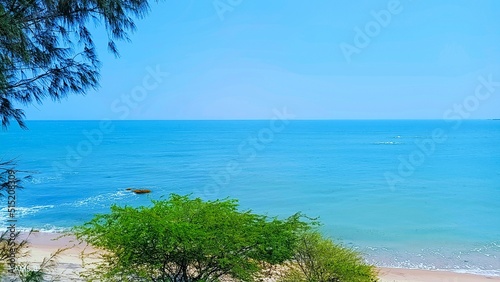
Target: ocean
pixel 405 193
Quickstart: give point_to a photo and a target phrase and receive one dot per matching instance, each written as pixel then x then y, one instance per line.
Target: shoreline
pixel 387 274
pixel 42 244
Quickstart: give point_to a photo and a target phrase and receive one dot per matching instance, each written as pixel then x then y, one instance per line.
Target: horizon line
pixel 262 119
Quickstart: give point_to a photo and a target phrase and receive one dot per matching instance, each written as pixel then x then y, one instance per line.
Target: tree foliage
pixel 320 260
pixel 47 49
pixel 6 169
pixel 183 239
pixel 10 246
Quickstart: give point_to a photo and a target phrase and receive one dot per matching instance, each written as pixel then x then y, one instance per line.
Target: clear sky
pixel 240 59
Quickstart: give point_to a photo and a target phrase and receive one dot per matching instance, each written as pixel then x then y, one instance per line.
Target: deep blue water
pixel 384 187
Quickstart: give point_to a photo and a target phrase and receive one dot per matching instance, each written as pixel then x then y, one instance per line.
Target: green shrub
pixel 320 260
pixel 183 239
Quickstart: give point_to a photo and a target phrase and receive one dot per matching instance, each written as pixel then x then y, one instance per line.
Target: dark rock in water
pixel 141 191
pixel 128 189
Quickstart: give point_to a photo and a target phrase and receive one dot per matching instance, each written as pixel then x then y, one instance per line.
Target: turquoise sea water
pixel 384 187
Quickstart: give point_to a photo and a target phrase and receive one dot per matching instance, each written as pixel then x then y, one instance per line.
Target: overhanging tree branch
pixel 46 49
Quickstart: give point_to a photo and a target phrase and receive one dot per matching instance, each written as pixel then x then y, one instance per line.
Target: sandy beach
pixel 70 264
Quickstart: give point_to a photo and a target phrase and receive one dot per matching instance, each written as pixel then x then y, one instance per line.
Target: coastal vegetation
pixel 183 239
pixel 47 48
pixel 318 259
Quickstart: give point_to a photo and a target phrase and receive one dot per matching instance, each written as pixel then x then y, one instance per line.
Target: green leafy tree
pixel 47 49
pixel 320 260
pixel 183 239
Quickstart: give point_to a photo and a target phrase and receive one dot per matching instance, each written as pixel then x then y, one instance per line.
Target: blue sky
pixel 240 59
